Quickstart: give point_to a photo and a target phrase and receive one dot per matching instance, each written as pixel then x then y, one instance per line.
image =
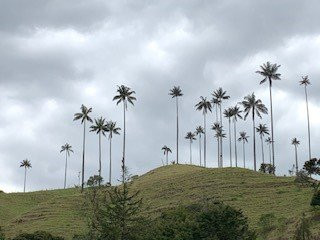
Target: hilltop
pixel 59 211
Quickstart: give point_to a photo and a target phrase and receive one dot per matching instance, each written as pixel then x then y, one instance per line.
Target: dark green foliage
pixel 267 223
pixel 39 235
pixel 267 168
pixel 94 181
pixel 303 229
pixel 2 236
pixel 312 166
pixel 211 222
pixel 316 199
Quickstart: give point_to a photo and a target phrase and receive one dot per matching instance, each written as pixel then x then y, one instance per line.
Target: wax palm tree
pixel 100 128
pixel 112 129
pixel 176 92
pixel 217 127
pixel 125 95
pixel 219 135
pixel 191 137
pixel 269 141
pixel 256 107
pixel 270 73
pixel 219 95
pixel 244 139
pixel 228 113
pixel 296 143
pixel 305 82
pixel 26 164
pixel 236 114
pixel 262 129
pixel 84 117
pixel 199 132
pixel 204 105
pixel 67 148
pixel 166 150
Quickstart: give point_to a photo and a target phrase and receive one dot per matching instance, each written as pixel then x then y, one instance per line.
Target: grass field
pixel 59 211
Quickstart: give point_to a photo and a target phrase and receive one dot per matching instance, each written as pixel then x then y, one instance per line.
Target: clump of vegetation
pixel 312 166
pixel 267 168
pixel 2 236
pixel 303 229
pixel 316 199
pixel 39 235
pixel 267 223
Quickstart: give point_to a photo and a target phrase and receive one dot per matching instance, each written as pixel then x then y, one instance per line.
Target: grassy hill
pixel 59 211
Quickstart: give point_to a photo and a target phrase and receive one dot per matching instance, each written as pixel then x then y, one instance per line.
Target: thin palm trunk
pixel 254 141
pixel 200 148
pixel 83 154
pixel 230 142
pixel 244 154
pixel 65 171
pixel 272 136
pixel 235 141
pixel 110 158
pixel 308 118
pixel 296 153
pixel 124 143
pixel 270 153
pixel 262 149
pixel 205 141
pixel 100 158
pixel 177 106
pixel 190 152
pixel 221 153
pixel 25 179
pixel 218 153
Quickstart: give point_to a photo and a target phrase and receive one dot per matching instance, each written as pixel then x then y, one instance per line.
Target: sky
pixel 56 55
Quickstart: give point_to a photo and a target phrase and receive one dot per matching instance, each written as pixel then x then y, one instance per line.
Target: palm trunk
pixel 200 148
pixel 218 144
pixel 221 153
pixel 296 152
pixel 230 143
pixel 124 143
pixel 65 171
pixel 177 106
pixel 244 154
pixel 235 141
pixel 254 142
pixel 110 162
pixel 99 159
pixel 83 154
pixel 25 179
pixel 262 150
pixel 272 136
pixel 190 152
pixel 205 141
pixel 308 118
pixel 270 153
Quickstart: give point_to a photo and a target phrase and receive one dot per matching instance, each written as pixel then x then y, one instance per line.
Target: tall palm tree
pixel 219 135
pixel 84 117
pixel 26 164
pixel 262 129
pixel 228 113
pixel 236 114
pixel 244 139
pixel 176 92
pixel 269 141
pixel 111 128
pixel 67 148
pixel 199 132
pixel 191 137
pixel 217 127
pixel 100 128
pixel 305 81
pixel 219 95
pixel 125 95
pixel 270 72
pixel 296 143
pixel 166 150
pixel 256 107
pixel 204 105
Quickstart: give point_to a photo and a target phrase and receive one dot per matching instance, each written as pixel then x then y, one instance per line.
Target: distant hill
pixel 59 211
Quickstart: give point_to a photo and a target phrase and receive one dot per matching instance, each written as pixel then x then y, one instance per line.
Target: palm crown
pixel 243 137
pixel 112 128
pixel 269 72
pixel 190 136
pixel 25 163
pixel 295 142
pixel 236 112
pixel 228 113
pixel 216 127
pixel 204 105
pixel 176 92
pixel 262 129
pixel 268 140
pixel 66 148
pixel 199 130
pixel 124 95
pixel 250 103
pixel 305 81
pixel 99 126
pixel 220 95
pixel 166 149
pixel 83 115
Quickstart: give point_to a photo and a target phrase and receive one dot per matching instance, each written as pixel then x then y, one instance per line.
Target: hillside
pixel 59 211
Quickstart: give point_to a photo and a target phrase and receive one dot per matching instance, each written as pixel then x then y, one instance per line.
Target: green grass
pixel 59 211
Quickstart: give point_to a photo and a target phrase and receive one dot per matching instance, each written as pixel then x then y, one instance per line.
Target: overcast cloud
pixel 56 55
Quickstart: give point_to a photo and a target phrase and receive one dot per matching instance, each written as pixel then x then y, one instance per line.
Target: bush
pixel 2 237
pixel 315 199
pixel 267 168
pixel 39 235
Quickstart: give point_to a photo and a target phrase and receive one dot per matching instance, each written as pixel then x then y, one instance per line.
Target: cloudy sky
pixel 56 55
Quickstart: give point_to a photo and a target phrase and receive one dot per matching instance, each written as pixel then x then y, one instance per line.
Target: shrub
pixel 315 199
pixel 39 235
pixel 267 168
pixel 2 237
